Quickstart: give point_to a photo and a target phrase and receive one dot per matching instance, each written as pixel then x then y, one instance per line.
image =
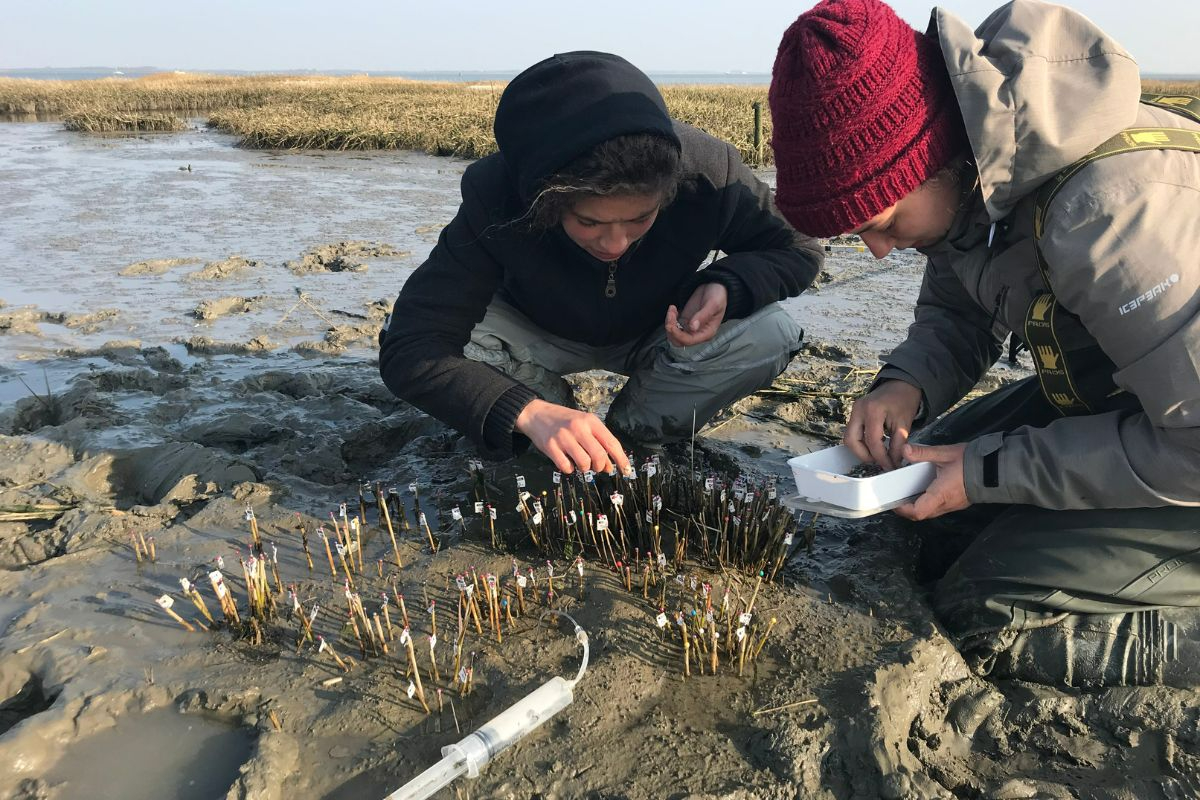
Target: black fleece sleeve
pixel 421 353
pixel 766 259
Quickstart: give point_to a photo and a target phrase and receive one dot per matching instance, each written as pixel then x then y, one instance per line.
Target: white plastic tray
pixel 821 481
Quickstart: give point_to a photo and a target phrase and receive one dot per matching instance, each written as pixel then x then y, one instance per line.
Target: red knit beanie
pixel 862 112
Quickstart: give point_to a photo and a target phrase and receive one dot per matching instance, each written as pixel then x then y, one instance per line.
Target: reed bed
pixel 366 113
pixel 109 122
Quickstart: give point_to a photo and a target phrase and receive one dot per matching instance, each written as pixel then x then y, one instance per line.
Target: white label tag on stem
pixel 537 518
pixel 708 484
pixel 462 675
pixel 492 513
pixel 589 476
pixel 741 634
pixel 478 506
pixel 424 522
pixel 412 689
pixel 412 487
pixel 661 620
pixel 601 522
pixel 617 498
pixel 662 561
pixel 456 514
pixel 461 583
pixel 579 567
pixel 520 481
pixel 651 470
pixel 432 643
pixel 522 581
pixel 744 618
pixel 787 540
pixel 404 636
pixel 556 477
pixel 166 601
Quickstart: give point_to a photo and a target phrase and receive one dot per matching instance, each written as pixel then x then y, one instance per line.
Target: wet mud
pixel 158 426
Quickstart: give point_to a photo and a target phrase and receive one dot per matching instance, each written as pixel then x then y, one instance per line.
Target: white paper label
pixel 771 492
pixel 662 561
pixel 492 513
pixel 787 540
pixel 556 477
pixel 657 503
pixel 470 590
pixel 404 636
pixel 537 506
pixel 520 481
pixel 249 514
pixel 412 689
pixel 708 484
pixel 571 516
pixel 589 476
pixel 432 607
pixel 537 518
pixel 432 643
pixel 522 581
pixel 186 585
pixel 661 620
pixel 463 675
pixel 630 474
pixel 741 634
pixel 651 470
pixel 649 516
pixel 342 510
pixel 166 601
pixel 579 568
pixel 617 498
pixel 744 618
pixel 461 583
pixel 456 514
pixel 524 496
pixel 412 487
pixel 478 506
pixel 424 522
pixel 601 522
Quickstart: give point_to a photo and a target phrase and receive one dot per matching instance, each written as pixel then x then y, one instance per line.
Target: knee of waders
pixel 1094 651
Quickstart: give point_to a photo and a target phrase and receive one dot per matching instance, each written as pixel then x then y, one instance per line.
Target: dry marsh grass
pixel 109 122
pixel 365 113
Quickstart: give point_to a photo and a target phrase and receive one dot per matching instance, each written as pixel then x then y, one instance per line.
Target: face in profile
pixel 919 219
pixel 606 226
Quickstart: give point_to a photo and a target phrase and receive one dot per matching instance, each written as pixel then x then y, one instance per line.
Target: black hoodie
pixel 551 113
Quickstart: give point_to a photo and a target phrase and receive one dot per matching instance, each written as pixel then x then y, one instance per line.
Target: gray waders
pixel 1091 598
pixel 669 388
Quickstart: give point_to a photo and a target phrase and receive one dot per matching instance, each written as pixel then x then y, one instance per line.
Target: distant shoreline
pixel 455 76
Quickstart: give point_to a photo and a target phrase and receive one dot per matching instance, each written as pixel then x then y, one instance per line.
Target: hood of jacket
pixel 1039 86
pixel 562 107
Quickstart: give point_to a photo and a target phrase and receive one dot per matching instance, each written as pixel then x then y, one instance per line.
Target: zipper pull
pixel 610 288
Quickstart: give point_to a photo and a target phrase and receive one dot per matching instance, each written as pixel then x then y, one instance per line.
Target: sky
pixel 496 35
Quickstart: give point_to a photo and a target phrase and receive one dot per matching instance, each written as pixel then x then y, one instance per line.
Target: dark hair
pixel 634 164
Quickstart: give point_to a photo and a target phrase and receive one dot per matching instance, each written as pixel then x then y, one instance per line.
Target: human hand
pixel 887 411
pixel 701 316
pixel 948 492
pixel 571 438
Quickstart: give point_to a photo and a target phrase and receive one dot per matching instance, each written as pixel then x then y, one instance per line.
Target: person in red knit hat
pixel 988 151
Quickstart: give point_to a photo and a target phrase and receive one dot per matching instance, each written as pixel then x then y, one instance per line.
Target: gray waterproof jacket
pixel 1040 86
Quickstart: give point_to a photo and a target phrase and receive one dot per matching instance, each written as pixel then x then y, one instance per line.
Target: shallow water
pixel 129 761
pixel 77 209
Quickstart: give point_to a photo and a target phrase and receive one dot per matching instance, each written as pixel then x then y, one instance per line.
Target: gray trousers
pixel 669 388
pixel 1032 579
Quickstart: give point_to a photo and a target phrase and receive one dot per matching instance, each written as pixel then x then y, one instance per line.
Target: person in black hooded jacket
pixel 578 246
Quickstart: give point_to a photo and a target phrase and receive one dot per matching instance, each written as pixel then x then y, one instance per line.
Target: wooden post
pixel 758 131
